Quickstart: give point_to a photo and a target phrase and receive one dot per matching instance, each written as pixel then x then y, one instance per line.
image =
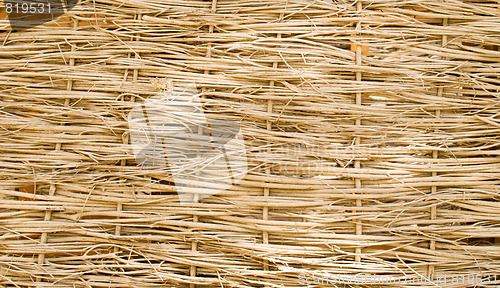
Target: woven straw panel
pixel 371 132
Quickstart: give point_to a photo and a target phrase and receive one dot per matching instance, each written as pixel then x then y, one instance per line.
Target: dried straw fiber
pixel 371 131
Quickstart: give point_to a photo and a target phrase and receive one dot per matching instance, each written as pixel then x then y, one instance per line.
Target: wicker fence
pixel 371 131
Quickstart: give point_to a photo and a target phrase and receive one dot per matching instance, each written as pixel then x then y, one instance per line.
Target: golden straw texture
pixel 371 130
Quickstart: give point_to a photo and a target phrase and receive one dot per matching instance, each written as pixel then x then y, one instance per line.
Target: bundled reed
pixel 371 131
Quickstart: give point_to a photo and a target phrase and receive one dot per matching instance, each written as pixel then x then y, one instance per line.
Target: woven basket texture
pixel 371 133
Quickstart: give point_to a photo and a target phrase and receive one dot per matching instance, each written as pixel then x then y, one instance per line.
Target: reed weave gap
pixel 126 135
pixel 208 55
pixel 435 155
pixel 357 142
pixel 53 186
pixel 269 127
pixel 401 182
